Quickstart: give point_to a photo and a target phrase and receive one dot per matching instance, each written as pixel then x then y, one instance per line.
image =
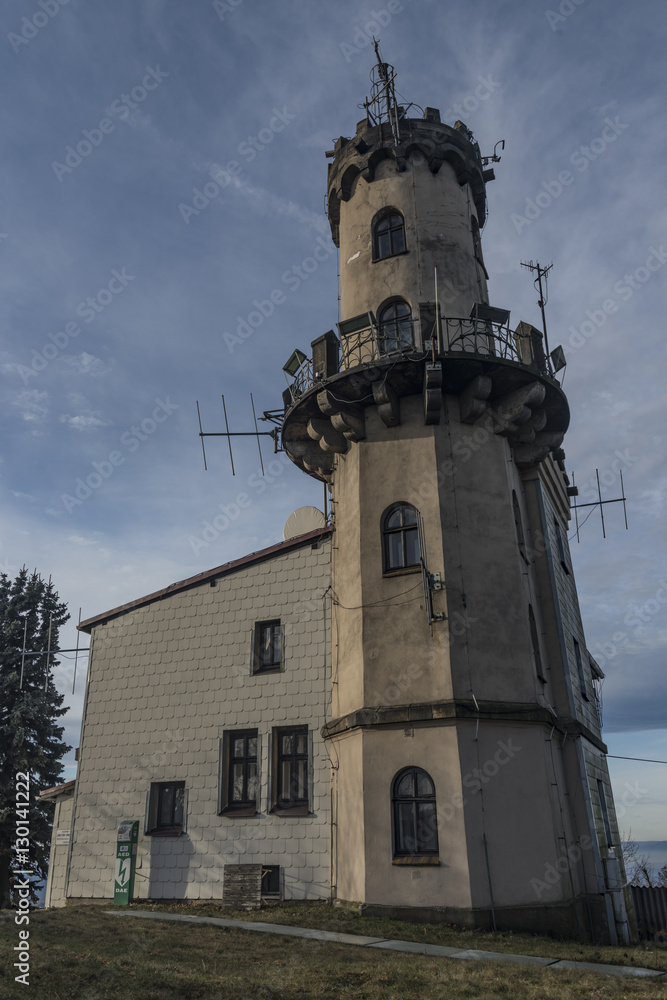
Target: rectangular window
pixel 271 881
pixel 268 646
pixel 560 544
pixel 290 770
pixel 605 813
pixel 580 669
pixel 240 773
pixel 166 808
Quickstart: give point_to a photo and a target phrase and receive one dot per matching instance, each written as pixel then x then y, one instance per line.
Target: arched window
pixel 414 814
pixel 400 537
pixel 388 234
pixel 396 327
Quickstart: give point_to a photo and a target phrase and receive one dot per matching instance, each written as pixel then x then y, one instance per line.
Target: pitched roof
pixel 50 793
pixel 194 581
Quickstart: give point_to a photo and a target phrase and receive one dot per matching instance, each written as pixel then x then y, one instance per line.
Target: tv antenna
pixel 598 503
pixel 382 104
pixel 49 652
pixel 274 416
pixel 542 272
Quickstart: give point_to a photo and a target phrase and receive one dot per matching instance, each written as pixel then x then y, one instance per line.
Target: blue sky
pixel 119 305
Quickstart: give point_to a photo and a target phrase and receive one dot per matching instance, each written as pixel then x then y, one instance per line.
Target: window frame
pixel 604 809
pixel 583 686
pixel 535 644
pixel 156 792
pixel 419 854
pixel 386 532
pixel 227 807
pixel 388 212
pixel 279 805
pixel 258 667
pixel 265 890
pixel 518 525
pixel 395 322
pixel 560 545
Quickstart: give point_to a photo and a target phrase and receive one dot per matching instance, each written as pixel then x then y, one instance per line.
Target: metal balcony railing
pixel 403 337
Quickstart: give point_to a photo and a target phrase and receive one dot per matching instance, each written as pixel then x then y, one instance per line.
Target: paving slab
pixel 414 947
pixel 614 970
pixel 475 954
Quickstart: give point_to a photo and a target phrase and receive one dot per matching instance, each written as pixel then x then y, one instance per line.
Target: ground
pixel 84 953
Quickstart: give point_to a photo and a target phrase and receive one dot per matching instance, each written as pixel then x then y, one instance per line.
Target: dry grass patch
pixel 333 918
pixel 83 953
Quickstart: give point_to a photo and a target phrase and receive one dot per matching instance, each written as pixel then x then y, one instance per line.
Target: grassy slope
pixel 345 919
pixel 81 953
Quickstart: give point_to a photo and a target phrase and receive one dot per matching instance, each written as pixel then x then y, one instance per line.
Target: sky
pixel 164 171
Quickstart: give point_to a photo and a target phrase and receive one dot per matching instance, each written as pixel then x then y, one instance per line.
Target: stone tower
pixel 469 779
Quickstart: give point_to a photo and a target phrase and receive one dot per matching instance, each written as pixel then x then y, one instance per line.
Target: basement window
pixel 270 882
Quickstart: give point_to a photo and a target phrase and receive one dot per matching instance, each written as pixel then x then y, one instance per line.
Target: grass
pixel 83 953
pixel 349 921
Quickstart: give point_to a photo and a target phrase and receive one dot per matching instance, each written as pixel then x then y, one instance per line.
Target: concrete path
pixel 415 947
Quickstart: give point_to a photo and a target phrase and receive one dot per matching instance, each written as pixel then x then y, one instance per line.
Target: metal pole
pixel 254 416
pixel 48 653
pixel 76 655
pixel 25 631
pixel 229 440
pixel 600 498
pixel 437 317
pixel 540 272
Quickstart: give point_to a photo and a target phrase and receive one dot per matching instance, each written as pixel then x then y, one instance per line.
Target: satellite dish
pixel 302 521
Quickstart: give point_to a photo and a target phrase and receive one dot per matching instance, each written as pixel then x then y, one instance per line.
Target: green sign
pixel 126 860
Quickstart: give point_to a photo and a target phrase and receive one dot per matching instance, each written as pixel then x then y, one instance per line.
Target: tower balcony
pixel 497 373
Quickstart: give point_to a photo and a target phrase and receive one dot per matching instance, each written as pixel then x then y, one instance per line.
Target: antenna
pixel 382 104
pixel 76 654
pixel 598 503
pixel 25 630
pixel 48 649
pixel 274 416
pixel 542 272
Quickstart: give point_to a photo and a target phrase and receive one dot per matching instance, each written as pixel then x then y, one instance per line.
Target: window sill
pixel 231 811
pixel 167 831
pixel 290 810
pixel 403 571
pixel 390 256
pixel 267 670
pixel 418 859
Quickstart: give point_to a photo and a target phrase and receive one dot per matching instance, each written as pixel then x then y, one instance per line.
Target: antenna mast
pixel 382 104
pixel 542 272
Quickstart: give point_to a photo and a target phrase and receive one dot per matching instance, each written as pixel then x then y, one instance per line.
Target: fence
pixel 651 912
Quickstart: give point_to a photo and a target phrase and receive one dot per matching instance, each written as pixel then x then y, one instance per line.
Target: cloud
pixel 85 421
pixel 87 364
pixel 33 404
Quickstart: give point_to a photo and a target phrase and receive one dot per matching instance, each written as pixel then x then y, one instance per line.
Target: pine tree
pixel 30 738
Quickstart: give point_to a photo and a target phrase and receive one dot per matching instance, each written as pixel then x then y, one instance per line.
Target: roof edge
pixel 50 793
pixel 193 581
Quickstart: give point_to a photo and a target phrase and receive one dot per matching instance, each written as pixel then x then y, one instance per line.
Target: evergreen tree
pixel 30 738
